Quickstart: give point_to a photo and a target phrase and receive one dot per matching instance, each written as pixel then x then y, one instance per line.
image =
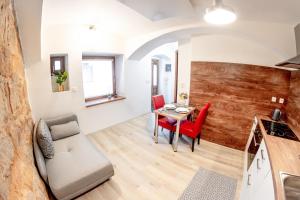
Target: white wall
pixel 184 66
pixel 166 55
pixel 133 79
pixel 165 79
pixel 135 76
pixel 29 20
pixel 235 47
pixel 226 48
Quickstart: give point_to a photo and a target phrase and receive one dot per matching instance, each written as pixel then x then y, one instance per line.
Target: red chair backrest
pixel 158 101
pixel 201 118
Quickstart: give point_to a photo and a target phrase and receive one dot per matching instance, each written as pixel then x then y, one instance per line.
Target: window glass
pixel 57 65
pixel 97 77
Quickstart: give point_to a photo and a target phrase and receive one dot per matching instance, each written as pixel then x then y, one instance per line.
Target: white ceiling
pixel 278 11
pixel 110 15
pixel 161 9
pixel 129 18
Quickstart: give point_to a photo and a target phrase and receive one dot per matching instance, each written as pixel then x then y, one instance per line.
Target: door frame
pixel 176 77
pixel 153 62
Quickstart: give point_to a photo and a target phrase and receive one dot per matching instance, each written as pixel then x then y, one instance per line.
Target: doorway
pixel 164 72
pixel 154 79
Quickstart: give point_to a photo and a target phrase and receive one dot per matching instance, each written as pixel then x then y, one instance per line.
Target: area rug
pixel 208 185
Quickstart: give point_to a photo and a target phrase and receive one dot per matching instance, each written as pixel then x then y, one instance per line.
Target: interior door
pixel 155 78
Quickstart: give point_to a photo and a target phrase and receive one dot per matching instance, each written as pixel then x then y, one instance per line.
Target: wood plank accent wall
pixel 293 105
pixel 237 92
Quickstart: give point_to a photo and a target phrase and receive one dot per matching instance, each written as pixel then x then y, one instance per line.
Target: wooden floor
pixel 145 170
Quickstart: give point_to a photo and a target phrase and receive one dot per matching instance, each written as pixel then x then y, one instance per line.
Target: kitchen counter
pixel 284 156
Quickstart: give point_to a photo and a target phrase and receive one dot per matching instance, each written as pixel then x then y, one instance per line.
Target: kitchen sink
pixel 291 186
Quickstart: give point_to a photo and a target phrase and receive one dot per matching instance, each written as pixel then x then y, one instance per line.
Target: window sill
pixel 103 101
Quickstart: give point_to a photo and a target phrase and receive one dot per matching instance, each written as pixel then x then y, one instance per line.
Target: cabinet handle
pixel 258 163
pixel 249 181
pixel 262 154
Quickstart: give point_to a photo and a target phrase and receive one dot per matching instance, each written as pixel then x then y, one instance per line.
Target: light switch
pixel 281 100
pixel 274 99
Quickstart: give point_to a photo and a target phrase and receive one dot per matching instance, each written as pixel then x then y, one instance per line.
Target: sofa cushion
pixel 44 139
pixel 64 130
pixel 62 119
pixel 76 167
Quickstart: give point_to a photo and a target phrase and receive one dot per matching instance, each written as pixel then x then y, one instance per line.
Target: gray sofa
pixel 77 165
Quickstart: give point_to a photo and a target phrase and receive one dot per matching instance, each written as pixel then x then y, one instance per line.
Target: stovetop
pixel 279 130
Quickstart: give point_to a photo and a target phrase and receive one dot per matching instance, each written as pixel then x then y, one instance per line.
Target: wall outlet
pixel 281 100
pixel 274 99
pixel 74 89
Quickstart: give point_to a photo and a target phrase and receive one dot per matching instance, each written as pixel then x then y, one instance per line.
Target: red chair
pixel 164 122
pixel 193 129
pixel 158 101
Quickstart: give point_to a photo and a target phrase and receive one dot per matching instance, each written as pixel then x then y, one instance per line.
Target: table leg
pixel 156 128
pixel 192 113
pixel 175 142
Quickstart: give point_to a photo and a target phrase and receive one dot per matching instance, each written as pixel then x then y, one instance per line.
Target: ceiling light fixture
pixel 219 14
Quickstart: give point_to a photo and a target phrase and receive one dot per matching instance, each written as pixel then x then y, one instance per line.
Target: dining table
pixel 171 113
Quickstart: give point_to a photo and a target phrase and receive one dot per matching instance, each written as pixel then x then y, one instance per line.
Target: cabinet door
pixel 257 177
pixel 262 188
pixel 265 162
pixel 247 185
pixel 266 190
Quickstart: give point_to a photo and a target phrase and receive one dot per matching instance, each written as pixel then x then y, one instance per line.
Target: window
pixel 57 64
pixel 98 75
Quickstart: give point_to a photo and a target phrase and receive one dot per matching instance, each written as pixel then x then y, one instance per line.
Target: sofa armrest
pixel 62 119
pixel 38 156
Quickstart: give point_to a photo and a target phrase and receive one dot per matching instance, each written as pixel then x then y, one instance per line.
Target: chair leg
pixel 198 139
pixel 193 145
pixel 171 137
pixel 180 135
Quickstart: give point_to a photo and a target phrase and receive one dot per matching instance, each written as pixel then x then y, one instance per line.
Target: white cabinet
pixel 265 191
pixel 257 180
pixel 262 188
pixel 247 185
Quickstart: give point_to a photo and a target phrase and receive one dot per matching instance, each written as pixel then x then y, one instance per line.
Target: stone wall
pixel 19 178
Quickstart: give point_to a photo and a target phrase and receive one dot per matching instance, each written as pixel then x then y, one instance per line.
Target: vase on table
pixel 183 99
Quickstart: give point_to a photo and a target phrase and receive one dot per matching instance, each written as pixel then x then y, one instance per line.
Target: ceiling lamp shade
pixel 219 14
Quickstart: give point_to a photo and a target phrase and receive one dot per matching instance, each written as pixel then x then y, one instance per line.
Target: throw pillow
pixel 44 139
